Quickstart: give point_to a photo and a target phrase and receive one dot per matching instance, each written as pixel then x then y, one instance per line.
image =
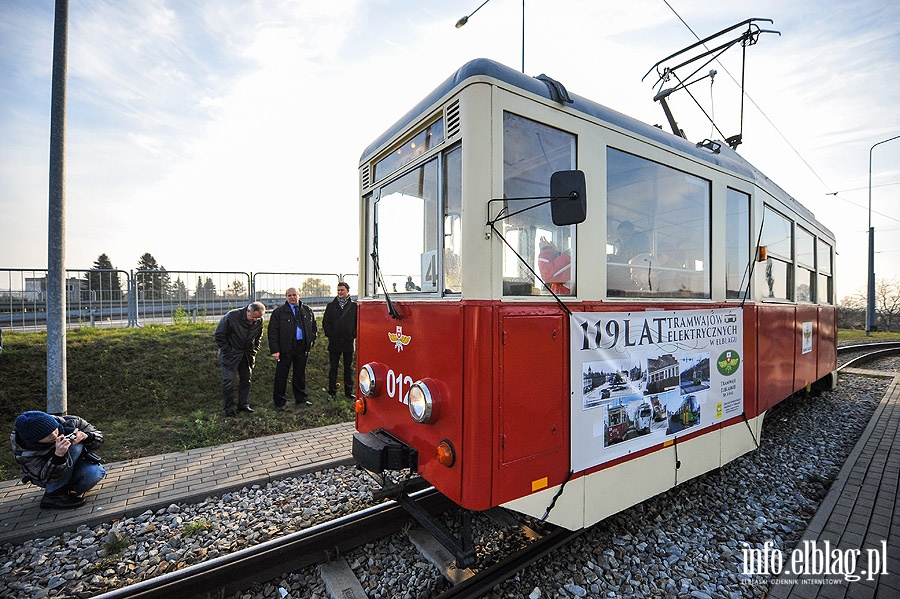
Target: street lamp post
pixel 465 20
pixel 871 321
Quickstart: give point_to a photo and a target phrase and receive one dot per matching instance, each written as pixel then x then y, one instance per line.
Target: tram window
pixel 824 286
pixel 806 266
pixel 737 244
pixel 774 276
pixel 658 222
pixel 423 141
pixel 406 221
pixel 532 152
pixel 452 214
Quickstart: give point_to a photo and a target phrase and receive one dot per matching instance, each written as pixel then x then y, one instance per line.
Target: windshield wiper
pixel 378 278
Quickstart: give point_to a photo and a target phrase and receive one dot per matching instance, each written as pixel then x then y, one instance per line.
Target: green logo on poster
pixel 728 362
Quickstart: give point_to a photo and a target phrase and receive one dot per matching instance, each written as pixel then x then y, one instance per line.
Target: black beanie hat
pixel 34 426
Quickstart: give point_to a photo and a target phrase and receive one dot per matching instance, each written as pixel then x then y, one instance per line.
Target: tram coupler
pixel 462 548
pixel 378 451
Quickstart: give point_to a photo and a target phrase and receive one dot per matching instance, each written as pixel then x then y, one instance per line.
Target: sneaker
pixel 62 501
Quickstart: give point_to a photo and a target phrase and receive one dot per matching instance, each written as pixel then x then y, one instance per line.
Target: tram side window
pixel 825 284
pixel 773 278
pixel 452 215
pixel 406 232
pixel 532 152
pixel 658 223
pixel 737 244
pixel 806 266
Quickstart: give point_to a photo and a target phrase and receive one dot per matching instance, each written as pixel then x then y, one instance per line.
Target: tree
pixel 852 309
pixel 103 281
pixel 179 291
pixel 887 302
pixel 315 288
pixel 236 289
pixel 851 312
pixel 205 291
pixel 151 280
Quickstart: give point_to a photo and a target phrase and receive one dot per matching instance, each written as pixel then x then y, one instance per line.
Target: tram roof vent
pixel 558 91
pixel 452 119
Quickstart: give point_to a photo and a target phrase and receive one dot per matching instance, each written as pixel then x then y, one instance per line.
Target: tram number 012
pixel 396 383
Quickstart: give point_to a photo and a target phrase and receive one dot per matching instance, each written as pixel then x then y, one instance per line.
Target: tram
pixel 538 267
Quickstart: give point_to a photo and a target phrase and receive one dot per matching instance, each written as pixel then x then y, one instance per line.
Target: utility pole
pixel 871 317
pixel 56 233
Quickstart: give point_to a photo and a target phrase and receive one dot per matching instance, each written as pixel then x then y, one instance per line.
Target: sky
pixel 225 136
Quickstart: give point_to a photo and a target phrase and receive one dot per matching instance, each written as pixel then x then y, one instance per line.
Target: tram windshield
pixel 416 233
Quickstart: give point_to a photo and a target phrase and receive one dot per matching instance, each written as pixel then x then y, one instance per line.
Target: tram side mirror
pixel 568 205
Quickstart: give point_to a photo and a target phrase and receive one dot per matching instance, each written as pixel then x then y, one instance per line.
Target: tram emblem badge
pixel 399 339
pixel 728 362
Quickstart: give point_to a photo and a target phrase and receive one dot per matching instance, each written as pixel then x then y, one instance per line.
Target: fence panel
pixel 93 297
pixel 166 296
pixel 118 298
pixel 316 289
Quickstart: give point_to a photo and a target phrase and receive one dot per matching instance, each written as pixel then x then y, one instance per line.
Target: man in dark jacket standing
pixel 238 336
pixel 292 333
pixel 339 324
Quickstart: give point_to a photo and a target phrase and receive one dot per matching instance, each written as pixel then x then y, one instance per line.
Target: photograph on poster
pixel 612 381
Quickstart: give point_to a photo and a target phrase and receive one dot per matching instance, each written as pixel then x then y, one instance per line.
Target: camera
pixel 71 436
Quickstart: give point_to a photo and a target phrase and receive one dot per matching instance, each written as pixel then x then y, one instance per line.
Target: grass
pixel 860 335
pixel 155 389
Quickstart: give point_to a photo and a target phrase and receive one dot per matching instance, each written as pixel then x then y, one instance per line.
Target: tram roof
pixel 727 158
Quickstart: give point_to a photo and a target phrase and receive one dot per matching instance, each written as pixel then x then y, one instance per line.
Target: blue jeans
pixel 81 477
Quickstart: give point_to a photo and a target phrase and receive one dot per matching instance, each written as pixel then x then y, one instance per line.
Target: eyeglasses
pixel 254 318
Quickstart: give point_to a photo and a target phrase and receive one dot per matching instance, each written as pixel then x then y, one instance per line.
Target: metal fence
pixel 118 298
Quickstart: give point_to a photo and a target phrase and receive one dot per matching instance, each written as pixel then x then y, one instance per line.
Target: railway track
pixel 235 572
pixel 326 543
pixel 857 355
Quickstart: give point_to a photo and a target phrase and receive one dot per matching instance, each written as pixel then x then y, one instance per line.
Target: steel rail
pixel 235 572
pixel 490 577
pixel 873 351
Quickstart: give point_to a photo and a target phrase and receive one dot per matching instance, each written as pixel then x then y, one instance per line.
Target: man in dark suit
pixel 292 333
pixel 339 324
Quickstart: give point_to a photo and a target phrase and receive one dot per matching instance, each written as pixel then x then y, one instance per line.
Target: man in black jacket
pixel 339 324
pixel 238 336
pixel 292 333
pixel 57 454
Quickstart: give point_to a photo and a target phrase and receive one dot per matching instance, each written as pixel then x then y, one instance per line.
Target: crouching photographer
pixel 57 454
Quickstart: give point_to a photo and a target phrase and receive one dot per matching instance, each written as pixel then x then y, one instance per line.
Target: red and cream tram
pixel 509 355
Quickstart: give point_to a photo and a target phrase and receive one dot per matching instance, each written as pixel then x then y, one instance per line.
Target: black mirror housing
pixel 568 204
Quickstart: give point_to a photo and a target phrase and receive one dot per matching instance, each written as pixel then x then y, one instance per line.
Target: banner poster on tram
pixel 642 378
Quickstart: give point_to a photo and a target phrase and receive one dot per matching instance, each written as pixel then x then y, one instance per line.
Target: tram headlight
pixel 422 399
pixel 370 379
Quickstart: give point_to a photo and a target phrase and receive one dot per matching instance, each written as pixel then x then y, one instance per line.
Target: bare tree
pixel 852 309
pixel 887 302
